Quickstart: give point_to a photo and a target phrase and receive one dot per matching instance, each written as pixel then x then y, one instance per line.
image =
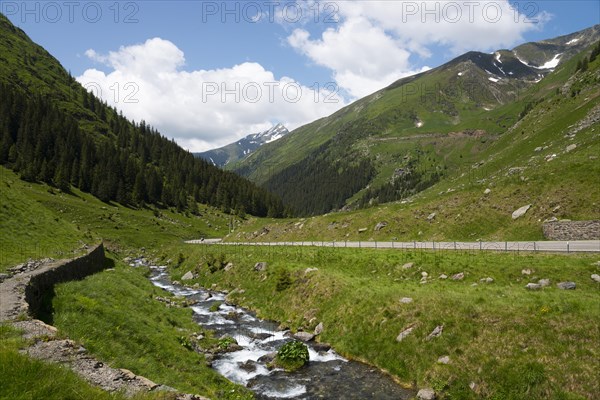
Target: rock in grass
pixel 146 382
pixel 431 217
pixel 595 277
pixel 444 360
pixel 380 226
pixel 187 276
pixel 319 329
pixel 228 267
pixel 521 211
pixel 437 332
pixel 487 280
pixel 426 394
pixel 443 276
pixel 458 277
pixel 566 285
pixel 304 336
pixel 487 191
pixel 408 265
pixel 533 286
pixel 260 266
pixel 404 333
pixel 544 282
pixel 526 271
pixel 406 300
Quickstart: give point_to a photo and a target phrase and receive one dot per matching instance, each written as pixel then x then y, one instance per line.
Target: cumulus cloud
pixel 376 42
pixel 205 108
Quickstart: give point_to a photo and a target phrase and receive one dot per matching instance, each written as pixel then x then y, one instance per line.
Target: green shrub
pixel 292 356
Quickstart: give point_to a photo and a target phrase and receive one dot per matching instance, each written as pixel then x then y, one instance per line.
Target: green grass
pixel 52 382
pixel 569 182
pixel 115 315
pixel 513 343
pixel 38 221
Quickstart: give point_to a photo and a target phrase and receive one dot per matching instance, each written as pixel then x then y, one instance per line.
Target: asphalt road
pixel 579 246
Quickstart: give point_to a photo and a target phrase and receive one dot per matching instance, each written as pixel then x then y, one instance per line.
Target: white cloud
pixel 374 41
pixel 205 108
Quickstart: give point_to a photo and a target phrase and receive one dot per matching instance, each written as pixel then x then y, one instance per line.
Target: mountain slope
pixel 418 129
pixel 52 130
pixel 227 156
pixel 549 159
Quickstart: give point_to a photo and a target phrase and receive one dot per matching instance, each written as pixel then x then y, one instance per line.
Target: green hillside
pixel 404 138
pixel 531 163
pixel 52 130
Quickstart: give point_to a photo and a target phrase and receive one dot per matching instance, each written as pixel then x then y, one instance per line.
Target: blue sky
pixel 344 49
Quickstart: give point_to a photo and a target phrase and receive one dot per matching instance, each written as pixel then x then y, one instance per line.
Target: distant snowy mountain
pixel 241 149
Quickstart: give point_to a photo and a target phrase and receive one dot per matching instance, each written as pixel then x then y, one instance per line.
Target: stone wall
pixel 572 230
pixel 76 269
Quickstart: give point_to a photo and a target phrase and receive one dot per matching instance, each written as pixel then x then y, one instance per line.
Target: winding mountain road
pixel 578 246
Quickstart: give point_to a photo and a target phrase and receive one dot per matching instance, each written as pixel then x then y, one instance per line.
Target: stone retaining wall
pixel 70 270
pixel 572 230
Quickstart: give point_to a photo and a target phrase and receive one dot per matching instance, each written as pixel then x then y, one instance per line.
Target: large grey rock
pixel 595 277
pixel 458 277
pixel 380 226
pixel 444 360
pixel 571 147
pixel 426 394
pixel 404 334
pixel 437 331
pixel 321 347
pixel 431 217
pixel 187 276
pixel 533 286
pixel 527 271
pixel 319 329
pixel 260 266
pixel 544 282
pixel 566 285
pixel 521 211
pixel 267 358
pixel 304 336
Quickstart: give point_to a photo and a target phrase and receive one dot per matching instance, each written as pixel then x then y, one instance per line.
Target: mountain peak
pixel 242 148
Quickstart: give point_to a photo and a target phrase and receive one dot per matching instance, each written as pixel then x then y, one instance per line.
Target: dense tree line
pixel 321 182
pixel 406 183
pixel 121 161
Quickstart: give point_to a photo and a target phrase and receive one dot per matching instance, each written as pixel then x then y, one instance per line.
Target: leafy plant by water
pixel 292 356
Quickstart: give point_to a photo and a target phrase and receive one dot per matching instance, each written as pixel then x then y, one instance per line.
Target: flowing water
pixel 326 376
